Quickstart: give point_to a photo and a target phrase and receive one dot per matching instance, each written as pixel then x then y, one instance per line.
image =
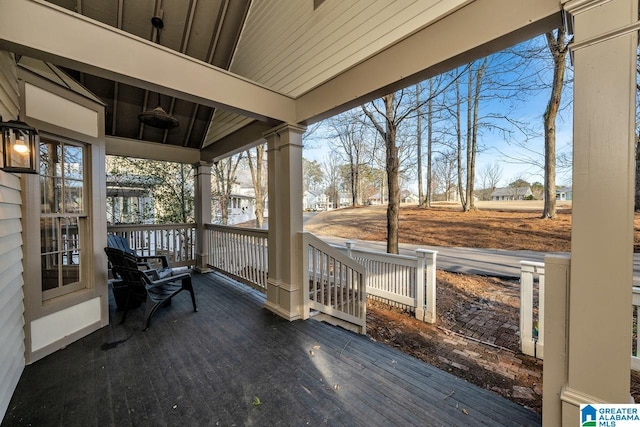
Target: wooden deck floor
pixel 211 367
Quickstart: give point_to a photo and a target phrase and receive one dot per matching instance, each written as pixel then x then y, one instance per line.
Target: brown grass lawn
pixel 511 227
pixel 451 344
pixel 448 226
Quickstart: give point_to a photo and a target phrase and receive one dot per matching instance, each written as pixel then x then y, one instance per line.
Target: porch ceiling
pixel 204 30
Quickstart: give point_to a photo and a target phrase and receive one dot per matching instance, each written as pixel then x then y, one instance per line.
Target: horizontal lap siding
pixel 293 49
pixel 11 295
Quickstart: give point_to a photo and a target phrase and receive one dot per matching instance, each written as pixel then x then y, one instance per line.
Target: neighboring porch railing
pixel 532 324
pixel 240 253
pixel 176 241
pixel 333 284
pixel 532 320
pixel 409 281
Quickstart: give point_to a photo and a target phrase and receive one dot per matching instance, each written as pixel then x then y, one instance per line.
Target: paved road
pixel 489 262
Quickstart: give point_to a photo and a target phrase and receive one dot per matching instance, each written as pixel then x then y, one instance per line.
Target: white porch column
pixel 604 51
pixel 284 153
pixel 202 179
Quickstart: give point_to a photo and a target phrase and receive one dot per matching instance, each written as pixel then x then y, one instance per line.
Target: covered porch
pixel 236 363
pixel 238 344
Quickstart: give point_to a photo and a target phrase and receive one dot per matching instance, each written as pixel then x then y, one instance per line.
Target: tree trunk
pixel 461 190
pixel 558 49
pixel 471 169
pixel 421 200
pixel 637 199
pixel 256 179
pixel 393 167
pixel 427 201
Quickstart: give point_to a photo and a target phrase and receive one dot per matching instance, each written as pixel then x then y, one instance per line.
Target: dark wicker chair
pixel 146 285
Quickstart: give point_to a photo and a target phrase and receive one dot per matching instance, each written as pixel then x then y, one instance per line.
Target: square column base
pixel 283 301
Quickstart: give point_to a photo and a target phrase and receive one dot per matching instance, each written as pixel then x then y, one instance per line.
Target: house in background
pixel 407 196
pixel 511 193
pixel 237 74
pixel 130 200
pixel 314 201
pixel 564 193
pixel 377 199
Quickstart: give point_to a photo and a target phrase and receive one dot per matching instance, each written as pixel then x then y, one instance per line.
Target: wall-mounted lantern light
pixel 19 147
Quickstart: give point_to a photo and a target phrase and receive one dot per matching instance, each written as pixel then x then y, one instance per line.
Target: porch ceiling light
pixel 19 147
pixel 157 117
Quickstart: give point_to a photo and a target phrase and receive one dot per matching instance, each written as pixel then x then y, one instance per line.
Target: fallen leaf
pixel 256 401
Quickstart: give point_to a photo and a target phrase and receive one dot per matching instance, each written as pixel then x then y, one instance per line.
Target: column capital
pixel 285 127
pixel 577 6
pixel 602 20
pixel 202 163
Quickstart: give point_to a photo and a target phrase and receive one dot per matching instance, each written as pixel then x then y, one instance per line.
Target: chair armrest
pixel 144 264
pixel 152 275
pixel 162 258
pixel 160 282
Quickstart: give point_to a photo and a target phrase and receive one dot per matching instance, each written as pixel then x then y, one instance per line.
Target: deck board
pixel 205 368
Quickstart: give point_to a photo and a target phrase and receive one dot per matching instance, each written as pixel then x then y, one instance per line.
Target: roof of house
pixel 512 191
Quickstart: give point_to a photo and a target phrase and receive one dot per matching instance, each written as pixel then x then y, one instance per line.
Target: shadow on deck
pixel 235 363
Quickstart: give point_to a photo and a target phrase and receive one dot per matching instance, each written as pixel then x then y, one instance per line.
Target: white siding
pixel 11 281
pixel 291 48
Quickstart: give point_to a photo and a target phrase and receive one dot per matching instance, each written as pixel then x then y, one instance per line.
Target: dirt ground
pixel 467 305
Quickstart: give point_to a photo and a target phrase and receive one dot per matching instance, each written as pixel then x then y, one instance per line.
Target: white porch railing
pixel 176 241
pixel 409 281
pixel 635 347
pixel 532 338
pixel 240 253
pixel 333 284
pixel 531 323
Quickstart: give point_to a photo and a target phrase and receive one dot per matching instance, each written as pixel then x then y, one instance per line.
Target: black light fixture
pixel 19 147
pixel 157 117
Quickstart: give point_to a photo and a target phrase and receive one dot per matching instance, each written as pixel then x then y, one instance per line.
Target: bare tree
pixel 258 178
pixel 445 174
pixel 490 176
pixel 637 193
pixel 225 176
pixel 421 200
pixel 388 131
pixel 558 47
pixel 331 173
pixel 350 141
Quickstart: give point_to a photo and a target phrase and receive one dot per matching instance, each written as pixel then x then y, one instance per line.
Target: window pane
pixel 49 235
pixel 69 232
pixel 73 197
pixel 73 164
pixel 70 274
pixel 71 250
pixel 50 271
pixel 50 158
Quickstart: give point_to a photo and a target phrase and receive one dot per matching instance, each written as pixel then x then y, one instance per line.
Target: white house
pixel 511 193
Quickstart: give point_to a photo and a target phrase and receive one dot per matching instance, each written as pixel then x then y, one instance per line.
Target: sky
pixel 494 146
